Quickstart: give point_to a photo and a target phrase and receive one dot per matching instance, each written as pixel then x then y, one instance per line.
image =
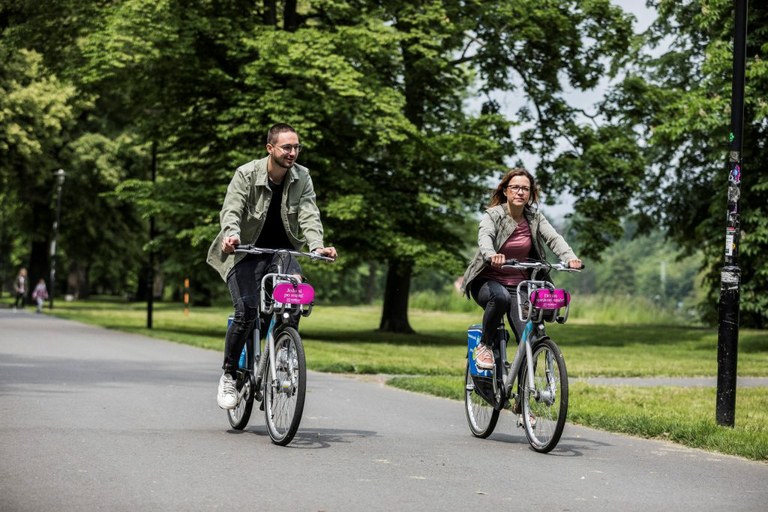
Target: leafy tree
pixel 446 162
pixel 663 148
pixel 376 89
pixel 97 233
pixel 36 111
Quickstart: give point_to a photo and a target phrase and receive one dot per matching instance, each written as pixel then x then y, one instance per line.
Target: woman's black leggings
pixel 497 300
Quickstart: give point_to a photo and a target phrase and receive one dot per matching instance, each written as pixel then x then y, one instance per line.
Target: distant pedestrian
pixel 20 287
pixel 40 294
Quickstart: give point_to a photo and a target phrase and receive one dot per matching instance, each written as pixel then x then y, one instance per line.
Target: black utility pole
pixel 60 174
pixel 730 275
pixel 151 272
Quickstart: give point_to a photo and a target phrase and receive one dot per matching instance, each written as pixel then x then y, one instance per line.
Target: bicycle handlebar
pixel 251 249
pixel 538 265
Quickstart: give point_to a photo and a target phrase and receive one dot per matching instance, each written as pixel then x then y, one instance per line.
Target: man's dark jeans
pixel 244 282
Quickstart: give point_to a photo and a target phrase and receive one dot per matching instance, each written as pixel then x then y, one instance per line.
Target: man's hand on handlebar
pixel 575 263
pixel 329 252
pixel 229 244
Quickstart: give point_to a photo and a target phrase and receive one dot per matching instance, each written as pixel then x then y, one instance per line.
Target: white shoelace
pixel 228 387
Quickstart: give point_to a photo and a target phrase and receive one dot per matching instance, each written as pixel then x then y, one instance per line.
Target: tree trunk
pixel 394 316
pixel 39 264
pixel 140 294
pixel 370 288
pixel 270 12
pixel 290 16
pixel 77 281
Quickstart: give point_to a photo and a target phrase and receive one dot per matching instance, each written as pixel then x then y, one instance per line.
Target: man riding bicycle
pixel 270 203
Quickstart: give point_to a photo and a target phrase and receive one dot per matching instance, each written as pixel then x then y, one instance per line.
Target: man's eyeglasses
pixel 287 148
pixel 517 188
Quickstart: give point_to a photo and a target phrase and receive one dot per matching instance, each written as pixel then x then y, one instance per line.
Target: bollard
pixel 186 296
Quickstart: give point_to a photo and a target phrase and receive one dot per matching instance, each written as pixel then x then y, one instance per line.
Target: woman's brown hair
pixel 498 196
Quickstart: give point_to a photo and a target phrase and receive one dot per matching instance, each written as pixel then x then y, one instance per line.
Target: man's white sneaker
pixel 227 395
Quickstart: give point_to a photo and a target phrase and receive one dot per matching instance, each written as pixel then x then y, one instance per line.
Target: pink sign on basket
pixel 550 299
pixel 287 294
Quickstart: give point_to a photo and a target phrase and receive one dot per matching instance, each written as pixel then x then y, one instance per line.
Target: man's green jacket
pixel 245 211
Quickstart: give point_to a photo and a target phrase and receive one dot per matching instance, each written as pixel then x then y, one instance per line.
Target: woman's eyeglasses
pixel 517 188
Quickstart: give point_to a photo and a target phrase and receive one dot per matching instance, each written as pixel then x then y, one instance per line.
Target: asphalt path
pixel 92 419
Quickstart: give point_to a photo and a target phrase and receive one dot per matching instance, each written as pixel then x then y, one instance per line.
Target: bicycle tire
pixel 239 416
pixel 546 406
pixel 284 398
pixel 481 415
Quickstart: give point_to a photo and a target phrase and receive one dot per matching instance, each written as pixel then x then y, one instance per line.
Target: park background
pixel 409 112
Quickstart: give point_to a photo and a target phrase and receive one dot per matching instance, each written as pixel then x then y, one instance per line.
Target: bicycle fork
pixel 281 360
pixel 548 395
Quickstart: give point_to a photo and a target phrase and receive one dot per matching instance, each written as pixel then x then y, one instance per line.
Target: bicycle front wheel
pixel 481 415
pixel 284 396
pixel 546 405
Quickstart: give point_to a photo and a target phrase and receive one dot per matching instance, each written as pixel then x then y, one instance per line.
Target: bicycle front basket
pixel 550 302
pixel 550 299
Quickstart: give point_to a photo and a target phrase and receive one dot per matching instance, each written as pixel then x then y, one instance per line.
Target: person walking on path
pixel 40 294
pixel 20 288
pixel 270 203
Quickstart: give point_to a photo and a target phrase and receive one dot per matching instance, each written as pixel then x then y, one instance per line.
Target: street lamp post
pixel 60 175
pixel 151 273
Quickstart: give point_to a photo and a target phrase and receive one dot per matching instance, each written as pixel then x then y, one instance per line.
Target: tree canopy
pixel 379 93
pixel 659 150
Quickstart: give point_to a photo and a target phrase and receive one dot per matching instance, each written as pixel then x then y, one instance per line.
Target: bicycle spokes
pixel 284 395
pixel 545 405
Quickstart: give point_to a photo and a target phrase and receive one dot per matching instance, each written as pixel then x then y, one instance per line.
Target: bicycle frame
pixel 538 366
pixel 275 310
pixel 534 329
pixel 268 305
pixel 282 297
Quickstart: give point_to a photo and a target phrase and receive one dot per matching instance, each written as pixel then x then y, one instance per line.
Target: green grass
pixel 682 415
pixel 344 339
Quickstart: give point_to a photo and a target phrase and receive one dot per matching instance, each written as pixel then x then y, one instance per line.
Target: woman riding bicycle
pixel 511 228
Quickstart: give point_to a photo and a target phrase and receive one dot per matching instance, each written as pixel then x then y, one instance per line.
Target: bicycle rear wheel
pixel 481 415
pixel 546 406
pixel 239 416
pixel 284 397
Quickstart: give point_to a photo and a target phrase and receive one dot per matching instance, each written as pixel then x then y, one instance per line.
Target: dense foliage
pixel 150 106
pixel 659 148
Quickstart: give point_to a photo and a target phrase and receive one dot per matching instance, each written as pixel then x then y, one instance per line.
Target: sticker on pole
pixel 286 293
pixel 734 176
pixel 550 299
